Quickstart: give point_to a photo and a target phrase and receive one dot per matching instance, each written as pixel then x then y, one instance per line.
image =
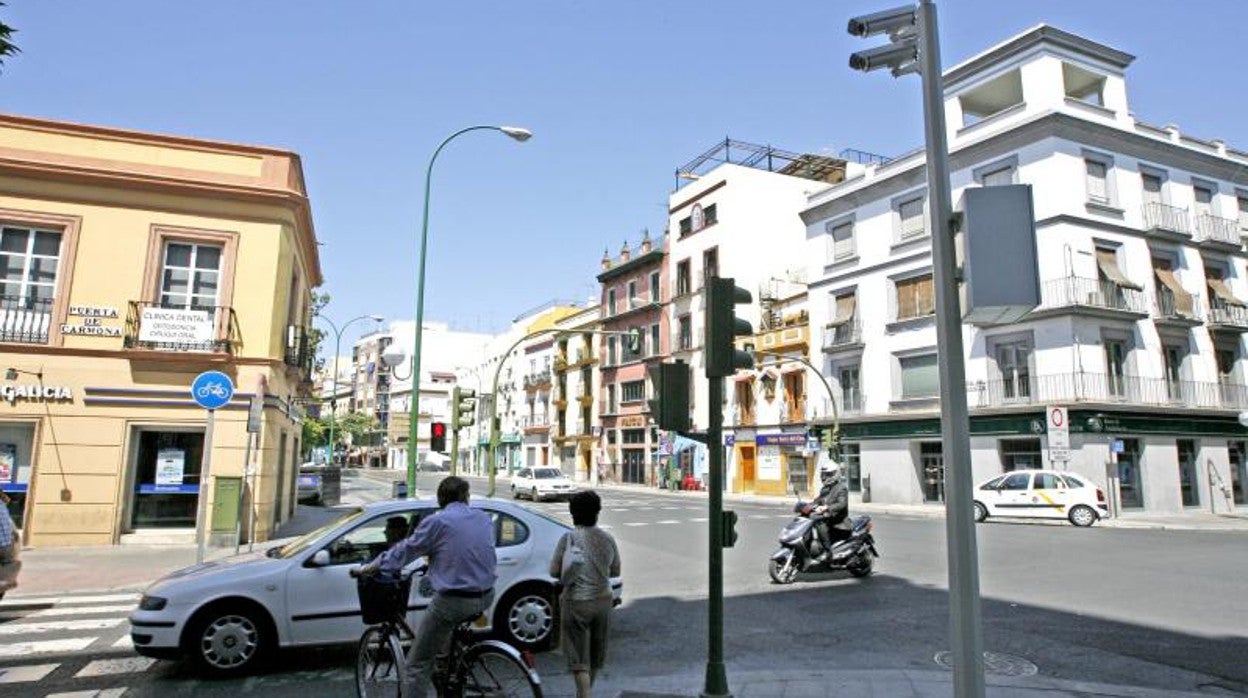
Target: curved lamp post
pixel 836 415
pixel 333 398
pixel 516 133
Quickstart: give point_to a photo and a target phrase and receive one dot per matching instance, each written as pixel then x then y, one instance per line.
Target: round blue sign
pixel 212 389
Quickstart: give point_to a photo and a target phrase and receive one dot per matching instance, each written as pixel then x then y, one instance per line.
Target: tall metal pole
pixel 333 395
pixel 964 607
pixel 454 429
pixel 716 684
pixel 414 409
pixel 205 468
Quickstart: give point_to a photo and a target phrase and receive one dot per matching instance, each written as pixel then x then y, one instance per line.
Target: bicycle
pixel 471 668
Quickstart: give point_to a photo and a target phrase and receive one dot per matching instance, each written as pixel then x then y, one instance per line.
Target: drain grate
pixel 996 664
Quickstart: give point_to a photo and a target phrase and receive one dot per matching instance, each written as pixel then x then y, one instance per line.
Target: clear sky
pixel 617 92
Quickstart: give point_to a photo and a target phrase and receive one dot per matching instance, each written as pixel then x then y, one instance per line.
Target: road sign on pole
pixel 1058 421
pixel 210 390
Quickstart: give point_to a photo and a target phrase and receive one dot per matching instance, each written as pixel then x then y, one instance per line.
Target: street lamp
pixel 515 133
pixel 836 414
pixel 333 397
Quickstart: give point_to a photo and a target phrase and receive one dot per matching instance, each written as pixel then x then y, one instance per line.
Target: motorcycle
pixel 800 548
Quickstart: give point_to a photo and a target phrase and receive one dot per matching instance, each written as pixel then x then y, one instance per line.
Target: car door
pixel 1013 493
pixel 514 543
pixel 322 603
pixel 989 493
pixel 1050 496
pixel 521 482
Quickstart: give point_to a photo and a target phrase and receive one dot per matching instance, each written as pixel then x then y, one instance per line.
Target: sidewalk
pixel 1192 521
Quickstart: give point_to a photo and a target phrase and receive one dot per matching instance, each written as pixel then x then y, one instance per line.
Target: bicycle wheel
pixel 379 664
pixel 492 672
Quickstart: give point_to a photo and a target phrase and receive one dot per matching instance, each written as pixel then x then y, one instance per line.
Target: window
pixel 655 295
pixel 710 263
pixel 710 215
pixel 1188 484
pixel 851 389
pixel 1152 188
pixel 686 226
pixel 368 540
pixel 1172 298
pixel 795 395
pixel 1020 454
pixel 910 220
pixel 685 335
pixel 851 456
pixel 919 377
pixel 1014 367
pixel 1115 366
pixel 611 345
pixel 1097 180
pixel 842 327
pixel 1172 358
pixel 915 297
pixel 190 276
pixel 611 406
pixel 632 294
pixel 1242 202
pixel 840 242
pixel 632 391
pixel 1048 481
pixel 655 347
pixel 683 279
pixel 1108 271
pixel 611 301
pixel 744 390
pixel 997 173
pixel 508 530
pixel 29 260
pixel 626 351
pixel 1204 200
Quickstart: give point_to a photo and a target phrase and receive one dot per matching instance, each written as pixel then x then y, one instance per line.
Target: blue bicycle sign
pixel 212 390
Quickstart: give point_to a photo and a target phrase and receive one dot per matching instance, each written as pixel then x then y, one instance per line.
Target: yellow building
pixel 130 263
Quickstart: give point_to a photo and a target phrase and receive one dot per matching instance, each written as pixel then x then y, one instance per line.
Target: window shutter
pixel 1098 188
pixel 842 242
pixel 911 213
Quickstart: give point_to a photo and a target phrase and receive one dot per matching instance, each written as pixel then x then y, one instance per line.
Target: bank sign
pixel 780 439
pixel 172 326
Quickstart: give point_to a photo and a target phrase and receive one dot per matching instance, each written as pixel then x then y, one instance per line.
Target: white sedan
pixel 227 614
pixel 1041 494
pixel 542 482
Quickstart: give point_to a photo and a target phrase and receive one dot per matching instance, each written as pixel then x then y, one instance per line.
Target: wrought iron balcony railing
pixel 25 320
pixel 198 328
pixel 1074 291
pixel 1164 218
pixel 1107 387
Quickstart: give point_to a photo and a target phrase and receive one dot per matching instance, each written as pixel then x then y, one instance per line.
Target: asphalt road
pixel 1159 609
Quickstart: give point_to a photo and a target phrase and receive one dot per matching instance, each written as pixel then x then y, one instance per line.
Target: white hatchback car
pixel 542 482
pixel 1041 494
pixel 227 613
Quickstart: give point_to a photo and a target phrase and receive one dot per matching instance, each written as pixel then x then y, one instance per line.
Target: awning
pixel 845 306
pixel 1182 299
pixel 1221 290
pixel 1108 263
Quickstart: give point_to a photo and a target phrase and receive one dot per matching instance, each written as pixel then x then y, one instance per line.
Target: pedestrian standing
pixel 585 560
pixel 9 547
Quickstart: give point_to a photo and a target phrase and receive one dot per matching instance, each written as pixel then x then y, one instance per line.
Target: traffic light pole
pixel 716 684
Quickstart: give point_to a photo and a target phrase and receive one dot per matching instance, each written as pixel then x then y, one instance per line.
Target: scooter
pixel 800 548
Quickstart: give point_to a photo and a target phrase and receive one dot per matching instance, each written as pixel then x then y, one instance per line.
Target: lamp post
pixel 516 133
pixel 333 398
pixel 836 414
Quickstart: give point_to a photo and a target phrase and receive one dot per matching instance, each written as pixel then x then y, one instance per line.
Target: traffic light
pixel 437 437
pixel 463 408
pixel 902 26
pixel 723 327
pixel 669 404
pixel 729 527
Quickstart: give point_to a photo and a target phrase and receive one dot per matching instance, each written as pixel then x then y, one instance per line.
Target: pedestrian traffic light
pixel 463 408
pixel 723 327
pixel 902 26
pixel 729 527
pixel 437 437
pixel 669 402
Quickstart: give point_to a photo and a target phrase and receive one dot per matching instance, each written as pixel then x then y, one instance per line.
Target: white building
pixel 1143 286
pixel 574 428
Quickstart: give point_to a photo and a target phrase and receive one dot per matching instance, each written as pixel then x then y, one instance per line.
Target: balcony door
pixel 1115 368
pixel 191 276
pixel 1014 367
pixel 29 260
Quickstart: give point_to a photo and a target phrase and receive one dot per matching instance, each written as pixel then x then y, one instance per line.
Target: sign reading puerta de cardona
pixel 173 326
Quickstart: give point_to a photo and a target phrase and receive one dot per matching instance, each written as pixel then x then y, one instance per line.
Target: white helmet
pixel 829 472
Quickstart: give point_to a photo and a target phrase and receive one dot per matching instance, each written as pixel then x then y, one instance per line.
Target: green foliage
pixel 357 425
pixel 315 432
pixel 7 47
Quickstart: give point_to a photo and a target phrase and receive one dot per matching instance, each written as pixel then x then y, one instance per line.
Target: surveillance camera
pixel 894 56
pixel 896 22
pixel 393 356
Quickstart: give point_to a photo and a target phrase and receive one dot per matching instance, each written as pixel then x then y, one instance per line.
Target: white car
pixel 227 614
pixel 1041 494
pixel 542 482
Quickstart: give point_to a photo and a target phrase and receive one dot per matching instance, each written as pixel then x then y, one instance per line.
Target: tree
pixel 357 424
pixel 315 334
pixel 7 47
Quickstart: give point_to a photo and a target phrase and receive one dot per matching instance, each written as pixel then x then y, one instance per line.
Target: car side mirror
pixel 319 559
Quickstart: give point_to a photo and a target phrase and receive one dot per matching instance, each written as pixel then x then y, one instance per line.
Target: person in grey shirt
pixel 586 600
pixel 9 564
pixel 459 542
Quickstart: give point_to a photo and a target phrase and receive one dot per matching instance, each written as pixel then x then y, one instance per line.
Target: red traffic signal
pixel 437 437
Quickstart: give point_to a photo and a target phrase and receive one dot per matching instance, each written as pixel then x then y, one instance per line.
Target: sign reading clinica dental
pixel 89 320
pixel 174 326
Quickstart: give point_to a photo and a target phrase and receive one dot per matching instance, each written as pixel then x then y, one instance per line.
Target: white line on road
pixel 51 626
pixel 759 516
pixel 108 667
pixel 637 523
pixel 125 641
pixel 99 598
pixel 82 610
pixel 98 693
pixel 26 674
pixel 21 649
pixel 668 521
pixel 700 520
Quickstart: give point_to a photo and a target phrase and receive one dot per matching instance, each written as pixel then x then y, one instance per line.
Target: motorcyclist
pixel 831 509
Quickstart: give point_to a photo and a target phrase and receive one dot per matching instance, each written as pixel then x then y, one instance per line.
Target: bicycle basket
pixel 382 600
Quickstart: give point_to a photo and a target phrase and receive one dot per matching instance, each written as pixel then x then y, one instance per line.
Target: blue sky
pixel 618 95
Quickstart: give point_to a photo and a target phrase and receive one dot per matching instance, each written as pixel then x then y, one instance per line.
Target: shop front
pixel 781 463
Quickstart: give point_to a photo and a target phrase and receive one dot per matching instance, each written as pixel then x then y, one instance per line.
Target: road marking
pixel 637 523
pixel 20 649
pixel 98 693
pixel 108 667
pixel 668 521
pixel 760 516
pixel 126 641
pixel 81 610
pixel 99 598
pixel 26 674
pixel 700 520
pixel 50 626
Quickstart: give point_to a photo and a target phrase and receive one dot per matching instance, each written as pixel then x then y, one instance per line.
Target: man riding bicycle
pixel 459 542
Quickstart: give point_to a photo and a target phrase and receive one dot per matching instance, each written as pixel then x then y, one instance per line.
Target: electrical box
pixel 225 496
pixel 996 246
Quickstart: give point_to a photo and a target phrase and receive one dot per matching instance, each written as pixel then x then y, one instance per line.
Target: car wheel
pixel 981 512
pixel 226 639
pixel 1082 516
pixel 526 617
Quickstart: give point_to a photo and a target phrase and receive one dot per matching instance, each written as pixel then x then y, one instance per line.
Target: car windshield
pixel 546 473
pixel 303 542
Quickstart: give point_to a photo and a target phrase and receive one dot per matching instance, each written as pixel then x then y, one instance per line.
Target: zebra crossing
pixel 76 641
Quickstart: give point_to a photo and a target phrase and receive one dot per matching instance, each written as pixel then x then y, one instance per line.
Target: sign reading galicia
pixel 92 322
pixel 35 393
pixel 173 326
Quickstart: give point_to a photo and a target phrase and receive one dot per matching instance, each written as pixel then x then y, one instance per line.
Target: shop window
pixel 1188 481
pixel 16 457
pixel 932 471
pixel 167 482
pixel 1020 454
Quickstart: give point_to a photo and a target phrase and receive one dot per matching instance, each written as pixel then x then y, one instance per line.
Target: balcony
pixel 845 337
pixel 1167 222
pixel 25 320
pixel 585 397
pixel 1093 297
pixel 585 357
pixel 300 352
pixel 784 338
pixel 1172 309
pixel 1227 317
pixel 533 425
pixel 1106 388
pixel 1218 233
pixel 533 381
pixel 212 329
